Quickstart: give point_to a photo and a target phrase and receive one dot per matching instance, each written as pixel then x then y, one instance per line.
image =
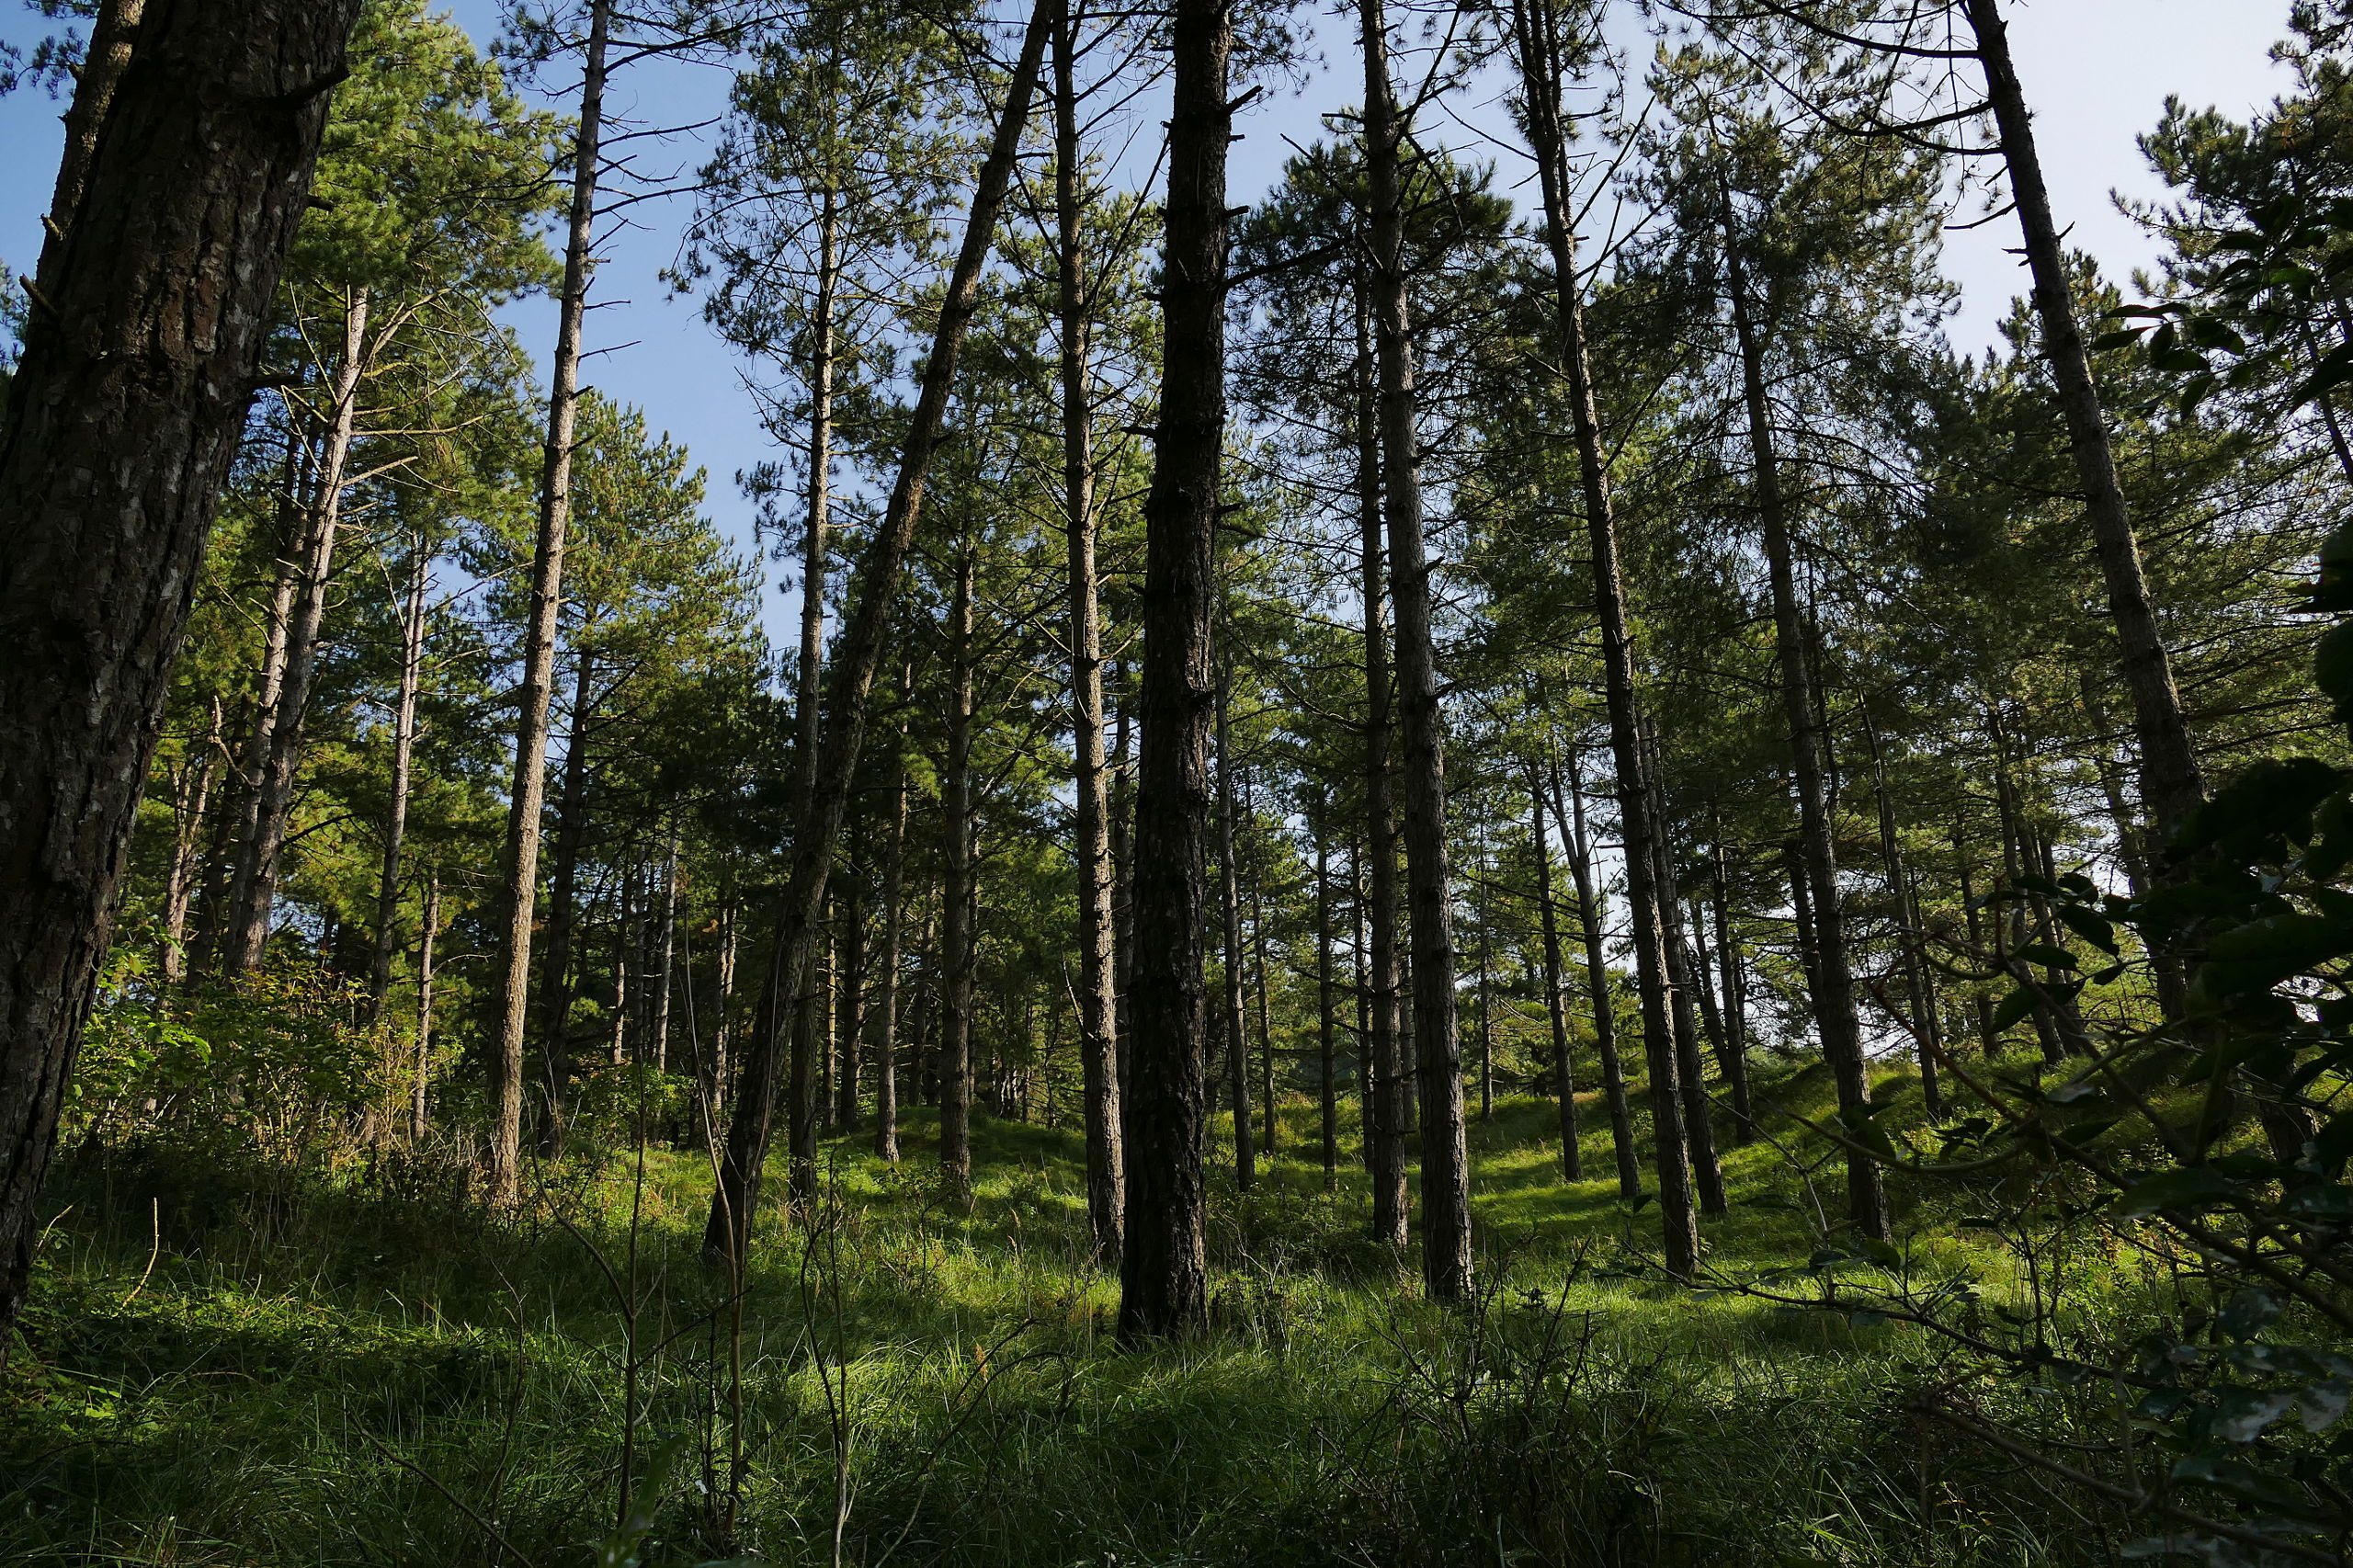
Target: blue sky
pixel 2098 73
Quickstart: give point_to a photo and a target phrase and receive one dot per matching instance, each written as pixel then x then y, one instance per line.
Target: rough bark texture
pixel 858 655
pixel 1446 1159
pixel 555 968
pixel 1097 944
pixel 520 868
pixel 1164 1270
pixel 122 416
pixel 1591 918
pixel 1542 56
pixel 2171 782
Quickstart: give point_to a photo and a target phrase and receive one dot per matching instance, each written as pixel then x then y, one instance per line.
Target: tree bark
pixel 1383 1096
pixel 388 878
pixel 255 891
pixel 1833 994
pixel 1097 941
pixel 555 970
pixel 1164 1270
pixel 1698 1125
pixel 122 416
pixel 956 927
pixel 432 921
pixel 1591 918
pixel 191 801
pixel 1327 1092
pixel 1542 56
pixel 1907 923
pixel 1237 1046
pixel 894 919
pixel 1735 1000
pixel 519 866
pixel 1555 1012
pixel 1445 1160
pixel 858 653
pixel 2171 782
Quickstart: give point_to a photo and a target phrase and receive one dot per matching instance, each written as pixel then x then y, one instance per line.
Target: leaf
pixel 2090 925
pixel 2190 1188
pixel 2248 1312
pixel 2012 1008
pixel 2049 956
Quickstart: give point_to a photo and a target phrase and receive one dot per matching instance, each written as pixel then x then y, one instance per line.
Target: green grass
pixel 225 1364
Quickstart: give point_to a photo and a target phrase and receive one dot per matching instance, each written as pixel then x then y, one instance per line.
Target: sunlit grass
pixel 301 1359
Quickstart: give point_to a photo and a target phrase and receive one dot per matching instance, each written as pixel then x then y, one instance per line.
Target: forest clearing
pixel 1449 782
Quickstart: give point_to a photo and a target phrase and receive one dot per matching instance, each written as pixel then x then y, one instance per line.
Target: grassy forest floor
pixel 226 1363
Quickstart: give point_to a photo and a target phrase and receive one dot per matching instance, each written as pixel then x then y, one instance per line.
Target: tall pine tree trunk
pixel 2171 782
pixel 1237 1049
pixel 894 919
pixel 1591 916
pixel 555 970
pixel 421 1083
pixel 1445 1160
pixel 1328 1091
pixel 1564 1080
pixel 858 655
pixel 388 876
pixel 1833 980
pixel 122 416
pixel 956 926
pixel 1735 1002
pixel 519 866
pixel 255 891
pixel 1383 1093
pixel 1542 55
pixel 1097 942
pixel 1163 1269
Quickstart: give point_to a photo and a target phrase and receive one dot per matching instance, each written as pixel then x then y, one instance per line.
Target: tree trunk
pixel 520 868
pixel 1591 918
pixel 859 653
pixel 555 971
pixel 895 917
pixel 849 1010
pixel 666 965
pixel 1907 923
pixel 1564 1079
pixel 1735 1002
pixel 1542 56
pixel 1097 941
pixel 387 878
pixel 417 1103
pixel 1834 995
pixel 237 826
pixel 1237 1049
pixel 254 890
pixel 123 417
pixel 1328 1093
pixel 1383 1096
pixel 191 801
pixel 1445 1160
pixel 2171 783
pixel 956 927
pixel 1164 1270
pixel 1258 976
pixel 1690 1071
pixel 114 33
